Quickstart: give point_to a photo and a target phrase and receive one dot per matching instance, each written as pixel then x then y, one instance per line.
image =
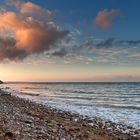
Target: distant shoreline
pixel 68 82
pixel 21 118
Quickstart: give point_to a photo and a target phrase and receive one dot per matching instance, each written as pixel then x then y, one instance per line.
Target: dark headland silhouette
pixel 1 82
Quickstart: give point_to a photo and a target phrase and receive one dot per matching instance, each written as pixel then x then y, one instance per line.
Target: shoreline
pixel 23 119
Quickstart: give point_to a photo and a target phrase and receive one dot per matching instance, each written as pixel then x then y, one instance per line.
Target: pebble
pixel 26 120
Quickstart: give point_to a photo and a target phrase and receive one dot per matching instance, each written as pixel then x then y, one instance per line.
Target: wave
pixel 121 106
pixel 76 91
pixel 115 101
pixel 33 88
pixel 30 94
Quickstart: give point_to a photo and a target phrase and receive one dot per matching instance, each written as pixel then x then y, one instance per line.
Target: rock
pixel 130 127
pixel 1 82
pixel 9 135
pixel 136 132
pixel 28 121
pixel 22 119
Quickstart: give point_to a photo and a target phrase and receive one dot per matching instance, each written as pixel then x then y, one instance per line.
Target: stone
pixel 1 82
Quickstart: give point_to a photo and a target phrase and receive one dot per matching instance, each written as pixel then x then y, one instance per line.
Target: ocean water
pixel 116 102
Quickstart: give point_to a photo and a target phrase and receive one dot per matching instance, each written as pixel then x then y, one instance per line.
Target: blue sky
pixel 81 13
pixel 89 40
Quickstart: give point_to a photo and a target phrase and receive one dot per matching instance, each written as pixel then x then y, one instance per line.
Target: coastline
pixel 23 119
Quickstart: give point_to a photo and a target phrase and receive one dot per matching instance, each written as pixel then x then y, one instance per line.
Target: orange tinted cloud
pixel 27 35
pixel 31 8
pixel 104 19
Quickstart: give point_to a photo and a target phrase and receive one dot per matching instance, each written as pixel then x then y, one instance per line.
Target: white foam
pixel 126 116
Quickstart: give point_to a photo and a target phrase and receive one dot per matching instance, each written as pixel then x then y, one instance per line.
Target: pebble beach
pixel 22 119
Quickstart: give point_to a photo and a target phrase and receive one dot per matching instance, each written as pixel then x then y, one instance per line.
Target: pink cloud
pixel 31 8
pixel 104 19
pixel 29 34
pixel 22 35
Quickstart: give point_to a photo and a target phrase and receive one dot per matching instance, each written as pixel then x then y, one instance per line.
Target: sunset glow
pixel 52 41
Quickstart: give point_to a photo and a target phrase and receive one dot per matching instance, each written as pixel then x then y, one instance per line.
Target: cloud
pixel 8 50
pixel 23 35
pixel 104 19
pixel 31 8
pixel 130 42
pixel 60 53
pixel 7 41
pixel 106 43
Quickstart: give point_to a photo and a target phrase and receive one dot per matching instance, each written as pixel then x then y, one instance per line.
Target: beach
pixel 22 119
pixel 69 70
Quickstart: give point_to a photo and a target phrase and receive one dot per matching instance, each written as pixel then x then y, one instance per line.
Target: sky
pixel 70 40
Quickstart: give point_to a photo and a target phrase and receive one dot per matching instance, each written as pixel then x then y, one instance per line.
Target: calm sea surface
pixel 118 102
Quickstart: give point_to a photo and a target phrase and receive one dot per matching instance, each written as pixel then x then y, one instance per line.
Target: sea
pixel 116 102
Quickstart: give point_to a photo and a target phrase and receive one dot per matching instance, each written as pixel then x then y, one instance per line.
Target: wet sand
pixel 21 119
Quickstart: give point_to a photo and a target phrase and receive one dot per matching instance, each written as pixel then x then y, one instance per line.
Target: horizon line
pixel 71 82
